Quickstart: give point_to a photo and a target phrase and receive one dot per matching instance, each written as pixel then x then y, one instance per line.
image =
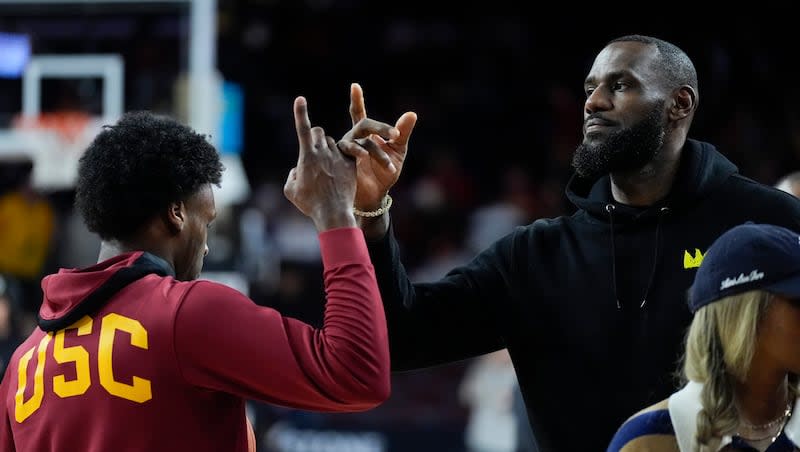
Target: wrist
pixel 385 205
pixel 374 228
pixel 335 220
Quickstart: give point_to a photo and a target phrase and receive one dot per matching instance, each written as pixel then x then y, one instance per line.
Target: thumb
pixel 405 124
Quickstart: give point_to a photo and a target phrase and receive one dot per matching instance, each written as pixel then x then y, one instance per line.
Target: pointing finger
pixel 302 124
pixel 358 110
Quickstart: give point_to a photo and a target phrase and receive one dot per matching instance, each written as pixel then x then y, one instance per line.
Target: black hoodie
pixel 592 306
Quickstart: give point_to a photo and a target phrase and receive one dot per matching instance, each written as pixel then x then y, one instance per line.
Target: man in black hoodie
pixel 591 306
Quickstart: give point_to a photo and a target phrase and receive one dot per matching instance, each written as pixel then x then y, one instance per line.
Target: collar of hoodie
pixel 663 211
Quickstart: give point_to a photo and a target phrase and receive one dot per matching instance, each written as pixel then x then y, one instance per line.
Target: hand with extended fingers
pixel 379 149
pixel 323 183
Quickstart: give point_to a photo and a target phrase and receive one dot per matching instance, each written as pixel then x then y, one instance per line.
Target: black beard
pixel 623 150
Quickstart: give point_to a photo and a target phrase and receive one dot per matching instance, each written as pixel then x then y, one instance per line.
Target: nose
pixel 596 101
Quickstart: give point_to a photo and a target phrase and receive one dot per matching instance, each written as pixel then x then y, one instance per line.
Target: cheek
pixel 788 322
pixel 202 241
pixel 781 334
pixel 195 246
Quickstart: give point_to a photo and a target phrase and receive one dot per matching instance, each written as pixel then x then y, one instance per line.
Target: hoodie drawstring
pixel 657 250
pixel 661 214
pixel 610 209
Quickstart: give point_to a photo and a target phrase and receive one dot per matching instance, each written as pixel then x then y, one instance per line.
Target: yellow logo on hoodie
pixel 690 261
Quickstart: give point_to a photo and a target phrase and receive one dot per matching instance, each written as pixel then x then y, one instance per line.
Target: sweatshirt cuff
pixel 342 246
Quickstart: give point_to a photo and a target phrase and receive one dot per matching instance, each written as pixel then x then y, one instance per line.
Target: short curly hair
pixel 137 167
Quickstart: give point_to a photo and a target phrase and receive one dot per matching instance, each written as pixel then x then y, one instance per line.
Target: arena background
pixel 498 90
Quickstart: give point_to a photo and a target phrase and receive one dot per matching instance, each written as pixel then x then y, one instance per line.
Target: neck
pixel 111 248
pixel 763 397
pixel 651 183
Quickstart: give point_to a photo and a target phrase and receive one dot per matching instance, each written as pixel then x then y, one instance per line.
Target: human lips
pixel 595 124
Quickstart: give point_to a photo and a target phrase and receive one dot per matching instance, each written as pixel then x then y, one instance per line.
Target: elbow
pixel 382 391
pixel 374 398
pixel 375 378
pixel 382 388
pixel 378 391
pixel 374 392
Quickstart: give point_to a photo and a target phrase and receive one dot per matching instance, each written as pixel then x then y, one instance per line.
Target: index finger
pixel 358 110
pixel 301 123
pixel 367 127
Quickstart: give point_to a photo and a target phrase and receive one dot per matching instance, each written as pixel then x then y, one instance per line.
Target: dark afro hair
pixel 139 166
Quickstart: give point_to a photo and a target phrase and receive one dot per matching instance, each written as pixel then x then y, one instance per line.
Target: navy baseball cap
pixel 748 257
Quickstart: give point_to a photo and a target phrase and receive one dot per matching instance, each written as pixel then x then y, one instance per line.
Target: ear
pixel 684 102
pixel 175 216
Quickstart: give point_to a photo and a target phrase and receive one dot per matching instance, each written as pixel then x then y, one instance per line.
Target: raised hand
pixel 323 183
pixel 379 157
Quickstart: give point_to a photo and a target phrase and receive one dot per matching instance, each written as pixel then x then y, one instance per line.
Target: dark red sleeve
pixel 224 341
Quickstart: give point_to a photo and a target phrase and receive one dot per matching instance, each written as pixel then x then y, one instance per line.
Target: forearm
pixel 430 324
pixel 343 366
pixel 374 228
pixel 352 360
pixel 355 324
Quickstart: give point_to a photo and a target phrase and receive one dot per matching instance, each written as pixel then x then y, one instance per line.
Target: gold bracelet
pixel 386 203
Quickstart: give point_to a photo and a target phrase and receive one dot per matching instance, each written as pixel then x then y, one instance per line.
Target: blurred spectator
pixel 487 388
pixel 516 206
pixel 525 439
pixel 790 183
pixel 10 333
pixel 258 257
pixel 27 224
pixel 443 248
pixel 77 246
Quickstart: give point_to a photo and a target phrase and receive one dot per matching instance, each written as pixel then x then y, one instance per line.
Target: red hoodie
pixel 126 358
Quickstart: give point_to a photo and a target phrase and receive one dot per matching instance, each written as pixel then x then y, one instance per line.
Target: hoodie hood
pixel 73 293
pixel 702 168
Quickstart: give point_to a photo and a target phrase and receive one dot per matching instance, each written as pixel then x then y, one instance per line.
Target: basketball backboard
pixel 55 139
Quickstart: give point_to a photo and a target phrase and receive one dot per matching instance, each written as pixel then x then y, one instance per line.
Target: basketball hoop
pixel 54 141
pixel 68 125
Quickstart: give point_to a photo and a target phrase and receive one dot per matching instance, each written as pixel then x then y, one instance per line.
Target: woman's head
pixel 746 271
pixel 742 299
pixel 722 337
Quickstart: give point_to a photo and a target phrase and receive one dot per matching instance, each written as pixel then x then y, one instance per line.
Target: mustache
pixel 596 117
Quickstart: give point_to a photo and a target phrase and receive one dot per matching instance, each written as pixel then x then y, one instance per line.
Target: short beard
pixel 623 150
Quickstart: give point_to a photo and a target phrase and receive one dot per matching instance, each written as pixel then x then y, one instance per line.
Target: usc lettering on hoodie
pixel 126 358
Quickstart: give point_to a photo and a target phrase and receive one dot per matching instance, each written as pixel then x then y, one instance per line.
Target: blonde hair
pixel 719 349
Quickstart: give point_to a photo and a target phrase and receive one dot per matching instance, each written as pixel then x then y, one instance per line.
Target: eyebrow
pixel 611 75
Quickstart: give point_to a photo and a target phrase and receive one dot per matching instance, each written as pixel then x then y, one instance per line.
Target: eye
pixel 619 86
pixel 588 90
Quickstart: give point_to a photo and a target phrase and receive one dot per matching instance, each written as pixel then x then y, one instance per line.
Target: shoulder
pixel 546 228
pixel 541 232
pixel 743 186
pixel 206 301
pixel 648 430
pixel 660 406
pixel 207 290
pixel 764 203
pixel 202 296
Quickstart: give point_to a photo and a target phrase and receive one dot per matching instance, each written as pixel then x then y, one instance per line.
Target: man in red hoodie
pixel 134 353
